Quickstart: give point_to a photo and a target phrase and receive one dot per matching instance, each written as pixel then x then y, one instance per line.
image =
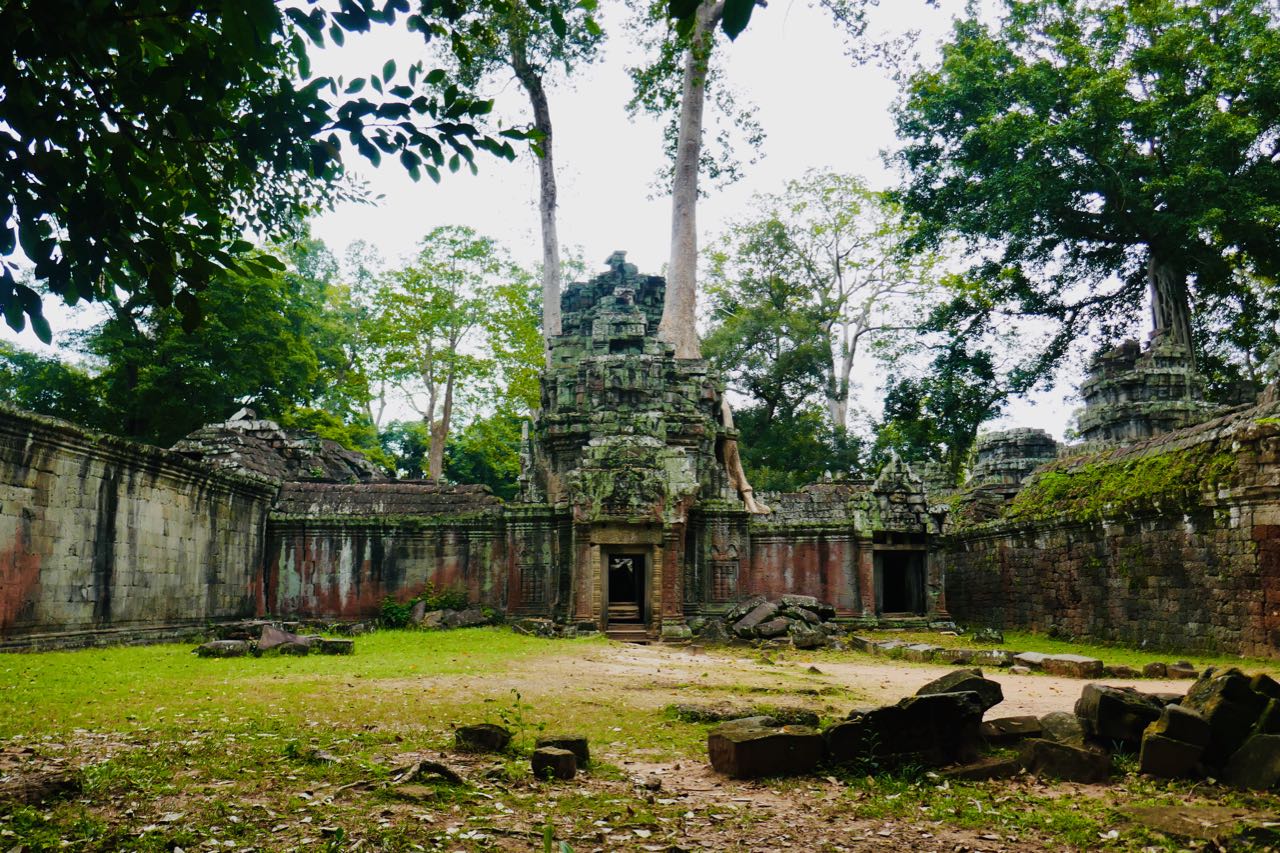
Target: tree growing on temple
pixel 533 41
pixel 1096 152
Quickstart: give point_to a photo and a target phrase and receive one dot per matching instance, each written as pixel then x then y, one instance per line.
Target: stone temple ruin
pixel 634 517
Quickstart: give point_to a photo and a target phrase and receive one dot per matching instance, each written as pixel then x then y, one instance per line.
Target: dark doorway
pixel 626 587
pixel 900 582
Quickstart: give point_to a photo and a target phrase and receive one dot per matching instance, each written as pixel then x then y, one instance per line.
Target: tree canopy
pixel 140 139
pixel 1090 151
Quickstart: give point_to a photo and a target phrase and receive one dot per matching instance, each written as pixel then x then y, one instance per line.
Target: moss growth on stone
pixel 1173 480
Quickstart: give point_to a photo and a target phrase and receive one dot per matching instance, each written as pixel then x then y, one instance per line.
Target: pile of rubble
pixel 275 640
pixel 802 620
pixel 470 617
pixel 1227 727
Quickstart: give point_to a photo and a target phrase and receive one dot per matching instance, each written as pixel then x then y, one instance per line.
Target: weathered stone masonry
pixel 100 536
pixel 1184 555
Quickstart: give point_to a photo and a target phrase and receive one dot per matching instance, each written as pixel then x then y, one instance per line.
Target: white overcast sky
pixel 818 109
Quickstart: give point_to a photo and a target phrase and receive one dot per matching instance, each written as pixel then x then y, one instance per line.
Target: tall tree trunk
pixel 678 326
pixel 532 82
pixel 440 432
pixel 1170 304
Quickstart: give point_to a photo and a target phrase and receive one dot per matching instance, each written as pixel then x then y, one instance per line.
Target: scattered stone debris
pixel 273 639
pixel 482 737
pixel 966 681
pixel 1219 825
pixel 551 629
pixel 1065 762
pixel 1003 731
pixel 756 747
pixel 471 617
pixel 988 636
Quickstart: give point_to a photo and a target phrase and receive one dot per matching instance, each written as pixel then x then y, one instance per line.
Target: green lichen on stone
pixel 1174 480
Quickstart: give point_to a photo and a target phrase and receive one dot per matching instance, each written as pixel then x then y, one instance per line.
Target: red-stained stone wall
pixel 103 538
pixel 821 563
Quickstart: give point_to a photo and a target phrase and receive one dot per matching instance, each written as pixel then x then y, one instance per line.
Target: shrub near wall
pixel 1171 543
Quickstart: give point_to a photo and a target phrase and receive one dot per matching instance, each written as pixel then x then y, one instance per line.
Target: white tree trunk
pixel 547 199
pixel 1170 304
pixel 679 314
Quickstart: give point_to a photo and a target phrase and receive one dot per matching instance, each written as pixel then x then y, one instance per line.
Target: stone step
pixel 628 633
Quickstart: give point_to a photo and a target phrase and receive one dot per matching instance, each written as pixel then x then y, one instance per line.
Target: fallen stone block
pixel 801 615
pixel 1006 730
pixel 1221 825
pixel 742 608
pixel 1265 685
pixel 1182 724
pixel 272 638
pixel 991 767
pixel 1019 669
pixel 773 628
pixel 418 612
pixel 326 646
pixel 1063 761
pixel 805 636
pixel 861 644
pixel 993 657
pixel 1031 660
pixel 482 737
pixel 1166 757
pixel 933 730
pixel 1062 727
pixel 807 602
pixel 223 649
pixel 577 744
pixel 1073 666
pixel 1256 764
pixel 1269 720
pixel 957 657
pixel 966 681
pixel 472 617
pixel 1227 701
pixel 1182 669
pixel 1119 671
pixel 920 652
pixel 299 649
pixel 1155 669
pixel 752 752
pixel 1116 713
pixel 761 613
pixel 551 762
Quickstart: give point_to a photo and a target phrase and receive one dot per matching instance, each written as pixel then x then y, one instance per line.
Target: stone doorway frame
pixel 640 539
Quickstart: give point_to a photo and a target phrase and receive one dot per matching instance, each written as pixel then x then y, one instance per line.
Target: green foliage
pixel 406 444
pixel 786 450
pixel 487 452
pixel 1105 487
pixel 142 140
pixel 50 386
pixel 1080 143
pixel 395 614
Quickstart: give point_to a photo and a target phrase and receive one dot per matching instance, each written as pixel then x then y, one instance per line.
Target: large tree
pixel 1101 151
pixel 675 83
pixel 532 41
pixel 140 139
pixel 842 249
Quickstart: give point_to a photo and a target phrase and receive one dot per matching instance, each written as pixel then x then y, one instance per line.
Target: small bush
pixel 396 614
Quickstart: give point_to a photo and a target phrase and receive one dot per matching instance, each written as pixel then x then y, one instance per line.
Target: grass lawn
pixel 289 753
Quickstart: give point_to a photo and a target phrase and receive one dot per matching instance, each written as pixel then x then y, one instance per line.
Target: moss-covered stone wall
pixel 1173 543
pixel 102 539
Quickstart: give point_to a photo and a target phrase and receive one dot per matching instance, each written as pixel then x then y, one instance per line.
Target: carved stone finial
pixel 617 263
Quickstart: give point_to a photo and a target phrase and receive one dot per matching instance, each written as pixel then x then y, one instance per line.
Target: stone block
pixel 1256 764
pixel 761 613
pixel 1006 730
pixel 1227 701
pixel 751 752
pixel 1063 727
pixel 742 608
pixel 1265 685
pixel 482 737
pixel 861 644
pixel 1119 671
pixel 1019 669
pixel 1062 761
pixel 1182 724
pixel 1182 669
pixel 920 652
pixel 551 762
pixel 1166 757
pixel 966 681
pixel 932 730
pixel 577 744
pixel 1156 669
pixel 991 636
pixel 1073 666
pixel 957 657
pixel 223 649
pixel 1031 660
pixel 773 628
pixel 326 646
pixel 984 769
pixel 1116 713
